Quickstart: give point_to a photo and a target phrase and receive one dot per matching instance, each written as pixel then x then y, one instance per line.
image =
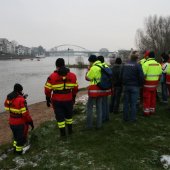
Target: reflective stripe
pixel 153 64
pixel 146 110
pixel 19 148
pixel 18 111
pixel 99 91
pixel 48 85
pixel 69 121
pixel 6 108
pixel 150 86
pixel 61 86
pixel 14 143
pixel 23 110
pixel 152 109
pixel 152 75
pixel 61 124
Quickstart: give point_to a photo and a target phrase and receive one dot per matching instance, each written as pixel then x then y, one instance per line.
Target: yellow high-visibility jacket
pixel 152 71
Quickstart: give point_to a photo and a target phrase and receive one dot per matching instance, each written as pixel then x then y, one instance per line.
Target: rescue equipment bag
pixel 106 78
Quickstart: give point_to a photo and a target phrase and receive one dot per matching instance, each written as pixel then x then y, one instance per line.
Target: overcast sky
pixel 92 24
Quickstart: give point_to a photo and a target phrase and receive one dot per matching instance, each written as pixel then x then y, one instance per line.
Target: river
pixel 32 74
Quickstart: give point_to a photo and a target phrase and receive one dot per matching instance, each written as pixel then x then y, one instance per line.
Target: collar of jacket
pixel 149 59
pixel 96 62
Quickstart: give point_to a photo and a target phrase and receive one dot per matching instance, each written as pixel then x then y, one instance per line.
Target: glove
pixel 32 125
pixel 74 99
pixel 48 100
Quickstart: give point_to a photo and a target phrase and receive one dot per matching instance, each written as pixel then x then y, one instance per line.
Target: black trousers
pixel 19 134
pixel 63 110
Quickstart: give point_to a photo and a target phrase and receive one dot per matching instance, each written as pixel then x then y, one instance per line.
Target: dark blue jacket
pixel 132 74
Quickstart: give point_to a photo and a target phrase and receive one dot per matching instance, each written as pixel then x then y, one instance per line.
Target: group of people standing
pixel 133 78
pixel 136 79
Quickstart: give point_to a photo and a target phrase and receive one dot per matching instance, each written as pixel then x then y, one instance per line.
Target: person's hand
pixel 74 99
pixel 48 101
pixel 32 125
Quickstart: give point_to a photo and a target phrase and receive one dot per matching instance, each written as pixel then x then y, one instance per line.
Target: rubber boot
pixel 70 130
pixel 62 132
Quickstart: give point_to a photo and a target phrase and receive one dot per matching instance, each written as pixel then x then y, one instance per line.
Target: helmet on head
pixel 18 87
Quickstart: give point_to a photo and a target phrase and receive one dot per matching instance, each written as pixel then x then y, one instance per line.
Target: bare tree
pixel 155 35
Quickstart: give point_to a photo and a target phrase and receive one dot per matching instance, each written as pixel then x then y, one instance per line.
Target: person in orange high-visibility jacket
pixel 152 72
pixel 60 90
pixel 19 119
pixel 94 92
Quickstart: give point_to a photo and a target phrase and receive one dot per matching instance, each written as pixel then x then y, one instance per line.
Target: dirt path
pixel 39 112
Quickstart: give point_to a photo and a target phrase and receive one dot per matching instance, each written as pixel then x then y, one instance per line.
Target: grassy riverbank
pixel 117 146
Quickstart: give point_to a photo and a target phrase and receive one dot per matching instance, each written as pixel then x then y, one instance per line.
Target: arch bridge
pixel 65 49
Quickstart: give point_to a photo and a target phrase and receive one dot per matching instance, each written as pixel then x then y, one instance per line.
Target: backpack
pixel 106 78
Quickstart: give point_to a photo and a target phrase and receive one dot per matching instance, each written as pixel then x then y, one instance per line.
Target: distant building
pixel 3 45
pixel 22 50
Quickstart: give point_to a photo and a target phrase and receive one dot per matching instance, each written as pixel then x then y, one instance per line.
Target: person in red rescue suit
pixel 19 119
pixel 60 90
pixel 152 72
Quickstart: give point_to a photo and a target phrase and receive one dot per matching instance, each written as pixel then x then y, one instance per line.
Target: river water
pixel 32 74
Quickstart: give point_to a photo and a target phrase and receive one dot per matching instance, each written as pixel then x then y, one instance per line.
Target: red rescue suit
pixel 152 71
pixel 19 119
pixel 62 89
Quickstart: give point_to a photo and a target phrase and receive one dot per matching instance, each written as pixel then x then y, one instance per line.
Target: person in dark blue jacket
pixel 132 79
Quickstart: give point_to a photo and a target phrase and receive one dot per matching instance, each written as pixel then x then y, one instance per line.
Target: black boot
pixel 62 132
pixel 70 130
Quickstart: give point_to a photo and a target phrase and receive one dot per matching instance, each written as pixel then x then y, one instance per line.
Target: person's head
pixel 118 60
pixel 100 58
pixel 134 57
pixel 151 54
pixel 92 58
pixel 60 62
pixel 18 88
pixel 164 57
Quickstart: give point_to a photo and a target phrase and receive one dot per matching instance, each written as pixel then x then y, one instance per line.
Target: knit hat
pixel 151 54
pixel 92 58
pixel 18 87
pixel 100 58
pixel 60 62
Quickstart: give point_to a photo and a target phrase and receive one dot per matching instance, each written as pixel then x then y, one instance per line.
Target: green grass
pixel 117 146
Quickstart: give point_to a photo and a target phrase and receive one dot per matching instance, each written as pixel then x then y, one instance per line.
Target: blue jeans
pixel 115 99
pixel 164 92
pixel 105 108
pixel 131 94
pixel 98 102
